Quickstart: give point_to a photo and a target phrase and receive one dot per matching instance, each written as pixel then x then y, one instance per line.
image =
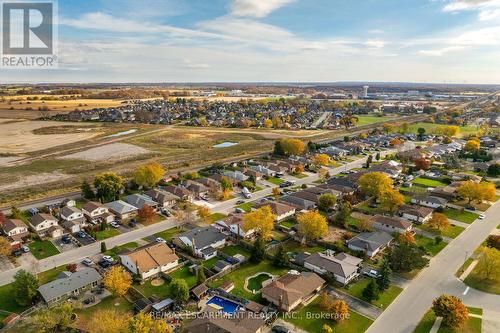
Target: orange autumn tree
pixel 146 214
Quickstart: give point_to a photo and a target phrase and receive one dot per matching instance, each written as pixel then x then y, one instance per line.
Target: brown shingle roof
pixel 40 218
pixel 151 256
pixel 392 221
pixel 11 224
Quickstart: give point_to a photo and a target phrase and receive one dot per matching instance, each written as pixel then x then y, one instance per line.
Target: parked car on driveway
pixel 160 240
pixel 108 258
pixel 105 263
pixel 87 262
pixel 372 273
pixel 280 329
pixel 114 225
pixel 66 239
pixel 481 216
pixel 25 249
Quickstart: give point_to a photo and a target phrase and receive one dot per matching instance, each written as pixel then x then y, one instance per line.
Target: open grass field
pixel 431 128
pixel 368 120
pixel 356 323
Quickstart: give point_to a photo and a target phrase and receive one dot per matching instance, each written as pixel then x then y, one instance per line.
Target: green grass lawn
pixel 163 291
pixel 255 283
pixel 473 325
pixel 231 250
pixel 289 223
pixel 425 324
pixel 431 128
pixel 452 231
pixel 356 323
pixel 429 244
pixel 238 278
pixel 7 300
pixel 43 249
pixel 108 233
pixel 352 221
pixel 117 249
pixel 216 217
pixel 474 280
pixel 275 181
pixel 464 267
pixel 111 302
pixel 278 235
pixel 299 175
pixel 386 297
pixel 465 216
pixel 368 120
pixel 428 182
pixel 247 206
pixel 170 233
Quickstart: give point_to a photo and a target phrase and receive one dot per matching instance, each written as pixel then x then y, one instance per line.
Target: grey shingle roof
pixel 370 240
pixel 204 236
pixel 63 286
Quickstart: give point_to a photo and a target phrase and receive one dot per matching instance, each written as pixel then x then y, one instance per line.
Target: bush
pixel 438 240
pixel 439 209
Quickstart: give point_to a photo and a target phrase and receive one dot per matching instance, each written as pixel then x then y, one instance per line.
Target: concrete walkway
pixel 468 270
pixel 491 321
pixel 460 224
pixel 436 325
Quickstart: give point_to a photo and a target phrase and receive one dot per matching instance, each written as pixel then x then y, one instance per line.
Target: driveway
pixel 286 324
pixel 62 247
pixel 356 304
pixel 5 263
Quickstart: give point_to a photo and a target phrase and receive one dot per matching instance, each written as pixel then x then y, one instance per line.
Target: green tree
pixel 87 191
pixel 201 275
pixel 103 247
pixel 258 252
pixel 343 214
pixel 371 291
pixel 383 280
pixel 327 201
pixel 377 157
pixel 406 257
pixel 108 186
pixel 281 257
pixel 56 319
pixel 25 286
pixel 179 290
pixel 421 132
pixel 278 149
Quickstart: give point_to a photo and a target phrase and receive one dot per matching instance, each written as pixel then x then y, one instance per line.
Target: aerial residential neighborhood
pixel 250 166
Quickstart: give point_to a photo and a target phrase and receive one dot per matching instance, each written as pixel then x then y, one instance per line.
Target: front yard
pixel 43 249
pixel 452 231
pixel 464 216
pixel 247 206
pixel 306 320
pixel 108 233
pixel 492 285
pixel 385 298
pixel 170 233
pixel 275 181
pixel 425 182
pixel 430 246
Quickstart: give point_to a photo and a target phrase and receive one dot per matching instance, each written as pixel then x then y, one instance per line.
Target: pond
pixel 225 144
pixel 122 133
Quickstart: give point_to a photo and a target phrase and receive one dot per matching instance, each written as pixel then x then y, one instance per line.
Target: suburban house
pixel 415 213
pixel 217 177
pixel 140 200
pixel 299 203
pixel 338 190
pixel 391 224
pixel 162 198
pixel 69 285
pixel 203 241
pixel 234 223
pixel 292 289
pixel 72 218
pixel 253 174
pixel 343 267
pixel 121 209
pixel 150 260
pixel 280 209
pixel 237 176
pixel 16 231
pixel 430 201
pixel 94 211
pixel 46 225
pixel 240 322
pixel 391 168
pixel 209 182
pixel 180 192
pixel 198 189
pixel 263 170
pixel 370 243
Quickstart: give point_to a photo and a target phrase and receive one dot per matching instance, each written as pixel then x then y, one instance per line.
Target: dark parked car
pixel 105 264
pixel 280 329
pixel 66 239
pixel 17 253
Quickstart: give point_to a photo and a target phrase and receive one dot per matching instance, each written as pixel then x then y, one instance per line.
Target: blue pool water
pixel 225 145
pixel 226 305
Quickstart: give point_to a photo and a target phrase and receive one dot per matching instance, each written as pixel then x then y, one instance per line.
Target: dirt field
pixel 31 180
pixel 17 137
pixel 114 151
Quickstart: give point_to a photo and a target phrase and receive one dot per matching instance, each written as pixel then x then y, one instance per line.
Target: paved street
pixel 406 311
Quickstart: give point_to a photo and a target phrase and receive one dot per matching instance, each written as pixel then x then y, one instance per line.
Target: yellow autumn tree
pixel 293 146
pixel 149 174
pixel 375 184
pixel 340 310
pixel 144 323
pixel 109 320
pixel 204 213
pixel 268 123
pixel 322 159
pixel 438 221
pixel 391 200
pixel 472 146
pixel 118 281
pixel 261 220
pixel 312 225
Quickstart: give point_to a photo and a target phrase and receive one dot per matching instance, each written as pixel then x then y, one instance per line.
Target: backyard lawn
pixel 356 323
pixel 238 278
pixel 430 246
pixel 296 247
pixel 111 302
pixel 108 233
pixel 216 217
pixel 289 223
pixel 231 250
pixel 163 291
pixel 386 297
pixel 464 216
pixel 43 249
pixel 428 182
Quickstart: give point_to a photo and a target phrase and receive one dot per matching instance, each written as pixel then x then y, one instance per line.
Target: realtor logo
pixel 28 34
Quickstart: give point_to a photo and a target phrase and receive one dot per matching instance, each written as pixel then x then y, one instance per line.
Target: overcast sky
pixel 274 40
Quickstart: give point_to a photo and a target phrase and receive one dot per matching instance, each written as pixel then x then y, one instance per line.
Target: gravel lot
pixel 106 152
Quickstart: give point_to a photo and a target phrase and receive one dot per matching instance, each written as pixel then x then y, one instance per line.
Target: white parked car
pixel 87 262
pixel 114 225
pixel 481 216
pixel 108 258
pixel 372 273
pixel 25 249
pixel 160 240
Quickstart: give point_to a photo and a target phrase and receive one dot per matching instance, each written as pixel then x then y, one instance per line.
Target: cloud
pixel 487 9
pixel 439 52
pixel 375 43
pixel 256 8
pixel 189 64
